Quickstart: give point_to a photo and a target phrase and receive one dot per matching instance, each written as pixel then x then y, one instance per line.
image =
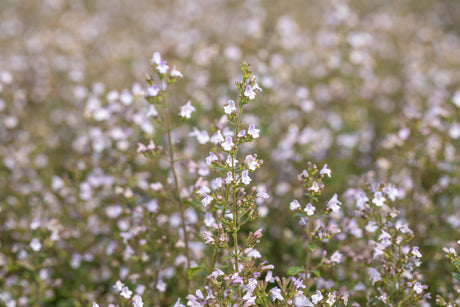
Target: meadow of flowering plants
pixel 229 153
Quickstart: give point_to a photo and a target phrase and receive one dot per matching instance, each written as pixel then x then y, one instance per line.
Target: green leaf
pixel 311 246
pixel 456 276
pixel 194 270
pixel 300 214
pixel 292 271
pixel 316 272
pixel 220 168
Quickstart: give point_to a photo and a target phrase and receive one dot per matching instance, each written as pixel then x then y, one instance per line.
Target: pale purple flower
pixel 206 200
pixel 217 272
pixel 175 73
pixel 242 133
pixel 249 92
pixel 95 305
pixel 251 162
pixel 153 90
pixel 202 136
pixel 391 191
pixel 294 205
pixel 152 111
pixel 378 199
pixel 207 236
pixel 126 293
pixel 161 286
pixel 35 244
pixel 418 288
pixel 178 304
pixel 416 252
pixel 456 99
pixel 186 110
pixel 252 131
pixel 162 67
pixel 229 178
pixel 276 294
pixel 228 144
pixel 236 278
pixel 137 301
pixel 118 285
pixel 302 301
pixel 141 148
pixel 216 183
pixel 156 58
pixel 334 203
pixel 211 158
pixel 245 177
pixel 203 190
pixel 325 171
pixel 230 107
pixel 316 298
pixel 336 257
pixel 309 209
pixel 374 275
pixel 230 161
pixel 217 137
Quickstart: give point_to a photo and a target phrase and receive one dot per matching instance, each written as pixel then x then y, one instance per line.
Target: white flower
pixel 331 299
pixel 325 171
pixel 245 177
pixel 302 301
pixel 374 275
pixel 230 107
pixel 178 303
pixel 206 200
pixel 35 244
pixel 228 144
pixel 249 92
pixel 156 58
pixel 378 199
pixel 202 136
pixel 229 161
pixel 161 286
pixel 371 226
pixel 126 293
pixel 207 236
pixel 217 137
pixel 251 162
pixel 252 131
pixel 175 73
pixel 95 304
pixel 153 90
pixel 152 111
pixel 203 190
pixel 416 252
pixel 276 294
pixel 333 203
pixel 162 67
pixel 211 158
pixel 187 109
pixel 391 191
pixel 456 99
pixel 229 178
pixel 242 133
pixel 309 209
pixel 118 285
pixel 418 288
pixel 294 205
pixel 316 298
pixel 137 301
pixel 336 257
pixel 216 183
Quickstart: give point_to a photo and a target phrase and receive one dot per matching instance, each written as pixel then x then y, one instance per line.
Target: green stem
pixel 308 257
pixel 235 209
pixel 176 185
